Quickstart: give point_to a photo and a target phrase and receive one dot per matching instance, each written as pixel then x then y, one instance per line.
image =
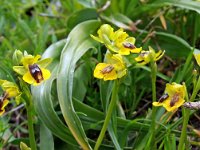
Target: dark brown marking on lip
pixel 107 69
pixel 36 73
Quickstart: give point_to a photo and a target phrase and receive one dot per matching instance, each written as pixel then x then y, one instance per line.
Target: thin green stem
pixel 153 116
pixel 186 115
pixel 30 127
pixel 108 116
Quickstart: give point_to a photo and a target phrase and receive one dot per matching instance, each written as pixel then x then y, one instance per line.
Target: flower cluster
pixel 10 90
pixel 119 45
pixel 113 68
pixel 146 56
pixel 118 41
pixel 32 69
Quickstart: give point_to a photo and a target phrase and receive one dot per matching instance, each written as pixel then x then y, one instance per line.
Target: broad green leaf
pixel 74 49
pixel 43 100
pixel 46 138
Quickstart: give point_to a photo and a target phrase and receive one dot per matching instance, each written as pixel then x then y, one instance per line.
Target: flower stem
pixel 186 115
pixel 30 127
pixel 153 116
pixel 108 116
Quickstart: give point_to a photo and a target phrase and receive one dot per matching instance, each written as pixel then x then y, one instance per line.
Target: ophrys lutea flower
pixel 10 90
pixel 113 68
pixel 33 70
pixel 146 56
pixel 173 97
pixel 118 41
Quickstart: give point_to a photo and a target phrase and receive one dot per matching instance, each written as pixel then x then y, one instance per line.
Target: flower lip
pixel 36 72
pixel 107 69
pixel 129 45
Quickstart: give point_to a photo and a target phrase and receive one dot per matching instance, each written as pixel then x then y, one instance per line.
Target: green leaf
pixel 43 101
pixel 78 42
pixel 46 138
pixel 71 53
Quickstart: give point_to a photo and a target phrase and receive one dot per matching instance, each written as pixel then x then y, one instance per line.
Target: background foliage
pixel 61 29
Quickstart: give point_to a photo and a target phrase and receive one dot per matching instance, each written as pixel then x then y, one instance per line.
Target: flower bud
pixel 17 56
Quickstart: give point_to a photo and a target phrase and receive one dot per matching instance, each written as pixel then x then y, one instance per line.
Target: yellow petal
pixel 5 103
pixel 197 57
pixel 157 104
pixel 136 50
pixel 177 104
pixel 2 109
pixel 97 71
pixel 96 38
pixel 29 60
pixel 28 78
pixel 12 92
pixel 159 55
pixel 124 51
pixel 139 59
pixel 173 88
pixel 21 70
pixel 105 32
pixel 45 73
pixel 110 76
pixel 36 58
pixel 43 63
pixel 130 40
pixel 112 48
pixel 119 36
pixel 121 73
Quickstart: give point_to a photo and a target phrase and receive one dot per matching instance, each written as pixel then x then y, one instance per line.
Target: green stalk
pixel 186 115
pixel 109 114
pixel 153 116
pixel 29 110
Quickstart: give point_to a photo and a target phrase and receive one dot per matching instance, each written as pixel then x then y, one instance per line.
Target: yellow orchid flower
pixel 10 90
pixel 118 41
pixel 123 44
pixel 113 68
pixel 33 69
pixel 146 56
pixel 197 57
pixel 173 97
